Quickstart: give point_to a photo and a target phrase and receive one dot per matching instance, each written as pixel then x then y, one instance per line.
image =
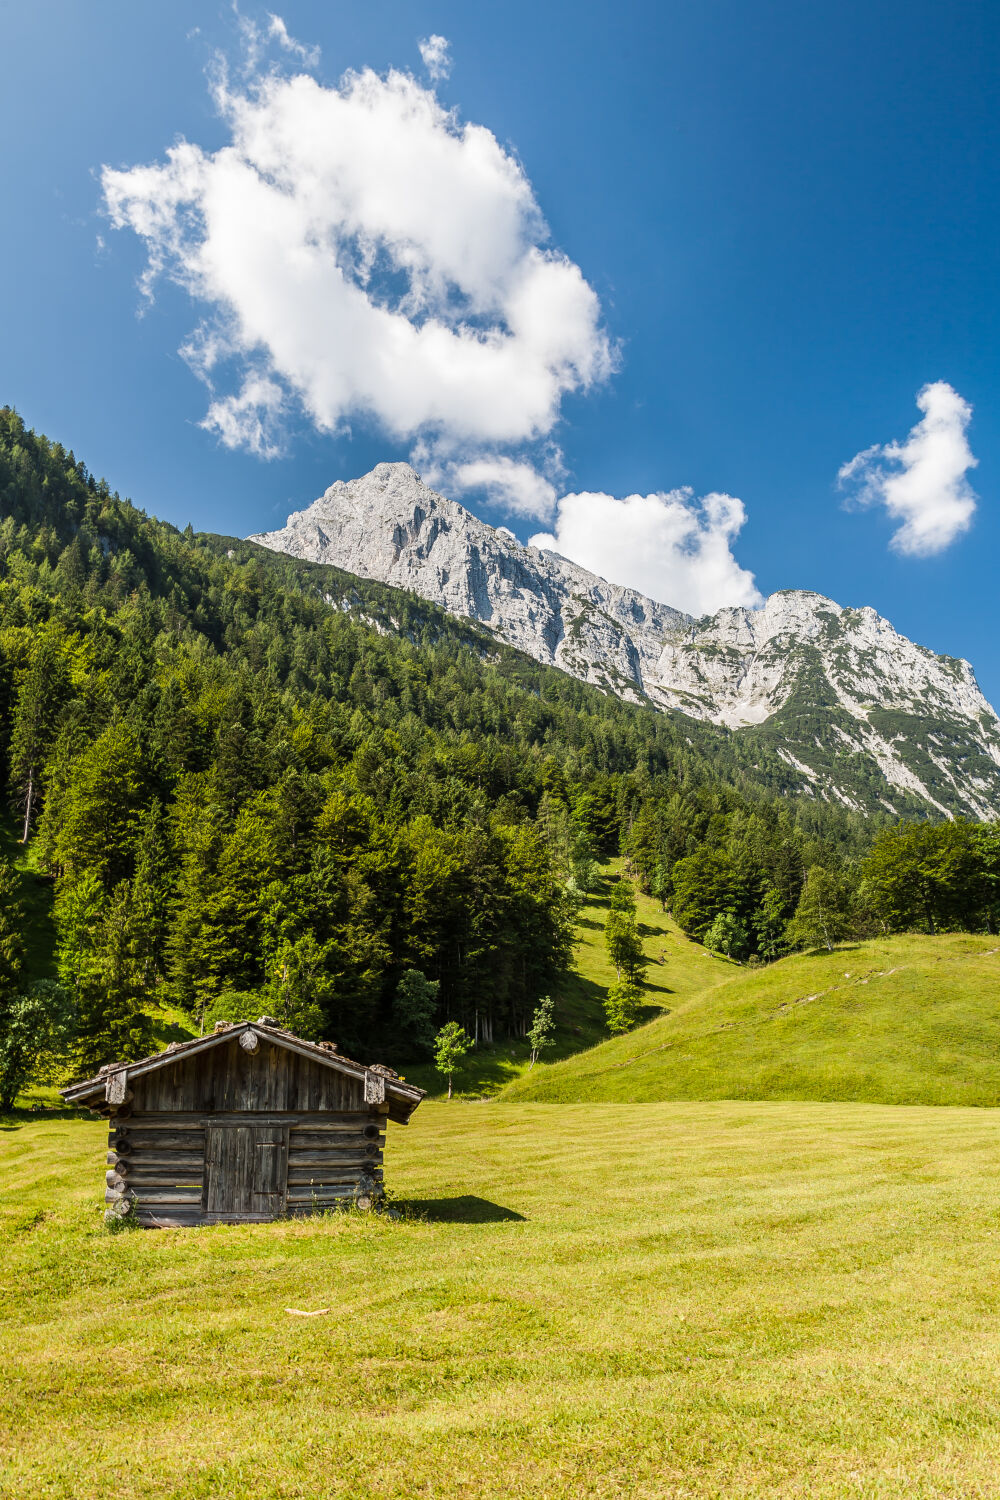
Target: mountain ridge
pixel 861 714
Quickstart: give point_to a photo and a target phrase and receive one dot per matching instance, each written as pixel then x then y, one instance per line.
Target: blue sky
pixel 786 215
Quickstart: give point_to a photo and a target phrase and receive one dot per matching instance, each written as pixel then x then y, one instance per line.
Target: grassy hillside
pixel 906 1020
pixel 678 970
pixel 754 1301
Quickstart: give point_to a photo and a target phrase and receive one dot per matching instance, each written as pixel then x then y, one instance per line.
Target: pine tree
pixel 99 813
pixel 77 914
pixel 114 992
pixel 36 712
pixel 770 922
pixel 413 1009
pixel 11 935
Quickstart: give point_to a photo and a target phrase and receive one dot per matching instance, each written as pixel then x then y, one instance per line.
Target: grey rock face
pixel 389 526
pixel 841 696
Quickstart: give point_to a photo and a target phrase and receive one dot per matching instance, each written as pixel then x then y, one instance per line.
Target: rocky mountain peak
pixel 857 712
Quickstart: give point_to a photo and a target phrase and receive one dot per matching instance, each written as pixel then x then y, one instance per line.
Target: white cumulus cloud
pixel 513 484
pixel 434 53
pixel 670 546
pixel 359 253
pixel 922 482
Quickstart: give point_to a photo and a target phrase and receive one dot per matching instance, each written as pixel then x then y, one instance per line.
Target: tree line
pixel 753 885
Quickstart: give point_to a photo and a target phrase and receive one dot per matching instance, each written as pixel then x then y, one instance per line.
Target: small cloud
pixel 434 54
pixel 278 32
pixel 256 39
pixel 510 483
pixel 921 482
pixel 670 546
pixel 251 419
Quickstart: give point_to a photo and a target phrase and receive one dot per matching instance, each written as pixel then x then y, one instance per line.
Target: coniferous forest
pixel 260 784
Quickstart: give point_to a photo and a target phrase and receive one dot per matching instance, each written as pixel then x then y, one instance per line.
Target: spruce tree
pixel 12 916
pixel 36 712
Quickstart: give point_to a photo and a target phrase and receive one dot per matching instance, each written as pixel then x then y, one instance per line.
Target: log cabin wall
pixel 233 1135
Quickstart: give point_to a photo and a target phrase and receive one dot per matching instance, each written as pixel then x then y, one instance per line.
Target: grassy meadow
pixel 903 1020
pixel 672 1300
pixel 735 1254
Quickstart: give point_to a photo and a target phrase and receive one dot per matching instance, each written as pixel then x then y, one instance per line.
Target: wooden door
pixel 246 1171
pixel 270 1170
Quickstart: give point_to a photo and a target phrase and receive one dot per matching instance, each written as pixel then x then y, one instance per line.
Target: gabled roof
pixel 381 1084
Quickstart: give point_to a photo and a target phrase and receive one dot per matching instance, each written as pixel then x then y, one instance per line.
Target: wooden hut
pixel 247 1123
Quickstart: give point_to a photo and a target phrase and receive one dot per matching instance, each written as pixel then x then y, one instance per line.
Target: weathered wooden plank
pixel 302 1191
pixel 190 1195
pixel 374 1088
pixel 198 1119
pixel 330 1172
pixel 322 1192
pixel 321 1199
pixel 314 1160
pixel 166 1140
pixel 164 1175
pixel 137 1166
pixel 303 1139
pixel 334 1147
pixel 116 1089
pixel 147 1160
pixel 320 1179
pixel 170 1216
pixel 180 1136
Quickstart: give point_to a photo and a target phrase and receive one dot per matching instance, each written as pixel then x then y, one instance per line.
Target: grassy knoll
pixel 907 1020
pixel 679 1300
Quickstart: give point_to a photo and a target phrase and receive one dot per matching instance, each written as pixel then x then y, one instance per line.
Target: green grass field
pixel 720 1291
pixel 672 1300
pixel 907 1020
